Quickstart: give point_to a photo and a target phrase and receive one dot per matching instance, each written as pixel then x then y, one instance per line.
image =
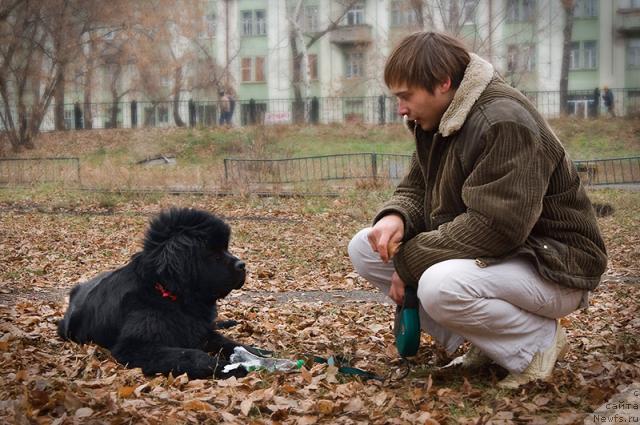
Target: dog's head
pixel 187 252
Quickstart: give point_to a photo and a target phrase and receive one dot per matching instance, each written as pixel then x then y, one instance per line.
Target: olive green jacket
pixel 494 182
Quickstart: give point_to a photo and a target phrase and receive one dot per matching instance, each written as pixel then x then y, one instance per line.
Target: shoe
pixel 542 363
pixel 472 359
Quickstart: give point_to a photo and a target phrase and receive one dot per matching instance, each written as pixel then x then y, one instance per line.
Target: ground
pixel 301 297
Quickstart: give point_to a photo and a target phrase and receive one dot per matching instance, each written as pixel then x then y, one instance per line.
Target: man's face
pixel 420 105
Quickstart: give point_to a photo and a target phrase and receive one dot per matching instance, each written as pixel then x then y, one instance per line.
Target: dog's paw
pixel 238 372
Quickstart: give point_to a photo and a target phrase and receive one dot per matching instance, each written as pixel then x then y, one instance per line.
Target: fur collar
pixel 476 78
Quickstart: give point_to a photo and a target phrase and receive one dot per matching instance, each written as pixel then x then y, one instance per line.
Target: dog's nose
pixel 239 266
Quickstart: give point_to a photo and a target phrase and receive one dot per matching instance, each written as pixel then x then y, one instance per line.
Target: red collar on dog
pixel 164 292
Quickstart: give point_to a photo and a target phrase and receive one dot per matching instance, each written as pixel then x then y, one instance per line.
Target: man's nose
pixel 402 109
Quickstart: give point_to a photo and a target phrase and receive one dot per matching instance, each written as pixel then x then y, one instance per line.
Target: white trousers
pixel 507 310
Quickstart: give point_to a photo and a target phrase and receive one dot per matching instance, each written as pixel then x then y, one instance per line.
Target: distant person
pixel 607 97
pixel 596 102
pixel 225 108
pixel 232 106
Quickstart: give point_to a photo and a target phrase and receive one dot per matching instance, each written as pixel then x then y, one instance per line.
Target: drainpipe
pixel 226 42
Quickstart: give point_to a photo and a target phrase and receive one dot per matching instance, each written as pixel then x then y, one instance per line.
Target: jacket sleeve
pixel 503 195
pixel 408 201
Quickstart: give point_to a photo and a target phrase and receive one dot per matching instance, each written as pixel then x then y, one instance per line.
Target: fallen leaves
pixel 289 248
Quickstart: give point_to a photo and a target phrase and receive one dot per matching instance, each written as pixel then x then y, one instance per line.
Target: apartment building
pixel 345 44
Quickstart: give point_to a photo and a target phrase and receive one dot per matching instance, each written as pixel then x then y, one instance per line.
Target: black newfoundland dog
pixel 158 311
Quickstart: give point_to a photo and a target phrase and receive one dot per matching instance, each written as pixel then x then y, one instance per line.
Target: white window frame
pixel 469 11
pixel 633 53
pixel 355 15
pixel 247 22
pixel 574 56
pixel 354 65
pixel 311 20
pixel 590 55
pixel 260 21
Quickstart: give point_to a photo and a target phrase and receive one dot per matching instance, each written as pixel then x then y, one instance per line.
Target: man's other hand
pixel 396 291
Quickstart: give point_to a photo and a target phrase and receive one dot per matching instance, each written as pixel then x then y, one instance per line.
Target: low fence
pixel 20 171
pixel 392 166
pixel 367 109
pixel 355 166
pixel 610 171
pixel 315 168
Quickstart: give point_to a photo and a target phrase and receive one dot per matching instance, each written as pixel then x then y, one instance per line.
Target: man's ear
pixel 445 86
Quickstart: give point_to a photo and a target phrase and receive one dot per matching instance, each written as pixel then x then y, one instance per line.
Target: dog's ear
pixel 174 262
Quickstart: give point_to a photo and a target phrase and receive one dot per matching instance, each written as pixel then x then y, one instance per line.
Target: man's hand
pixel 386 235
pixel 396 292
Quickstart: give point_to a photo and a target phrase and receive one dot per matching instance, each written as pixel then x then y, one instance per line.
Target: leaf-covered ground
pixel 301 297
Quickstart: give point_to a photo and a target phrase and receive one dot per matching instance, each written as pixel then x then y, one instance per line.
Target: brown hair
pixel 425 59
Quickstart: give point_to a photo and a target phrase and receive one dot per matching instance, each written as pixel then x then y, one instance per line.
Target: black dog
pixel 158 311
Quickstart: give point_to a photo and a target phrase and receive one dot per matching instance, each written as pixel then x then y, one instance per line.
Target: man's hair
pixel 426 59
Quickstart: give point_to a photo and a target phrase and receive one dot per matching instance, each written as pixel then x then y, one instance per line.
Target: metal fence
pixel 610 171
pixel 317 110
pixel 325 168
pixel 313 168
pixel 19 171
pixel 391 166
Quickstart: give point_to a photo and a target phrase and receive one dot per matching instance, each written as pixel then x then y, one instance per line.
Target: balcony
pixel 627 21
pixel 352 34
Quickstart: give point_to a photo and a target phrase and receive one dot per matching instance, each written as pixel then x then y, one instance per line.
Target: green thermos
pixel 407 324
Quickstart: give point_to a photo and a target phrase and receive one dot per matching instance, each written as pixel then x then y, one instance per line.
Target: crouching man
pixel 491 223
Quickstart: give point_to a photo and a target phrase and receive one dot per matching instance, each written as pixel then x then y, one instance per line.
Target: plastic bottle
pixel 250 361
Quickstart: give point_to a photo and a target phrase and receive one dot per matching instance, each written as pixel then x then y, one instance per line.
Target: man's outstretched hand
pixel 386 235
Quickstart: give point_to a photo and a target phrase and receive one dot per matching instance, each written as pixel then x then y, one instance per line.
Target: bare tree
pixel 569 7
pixel 29 69
pixel 300 42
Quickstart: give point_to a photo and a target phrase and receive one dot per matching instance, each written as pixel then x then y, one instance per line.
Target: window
pixel 633 53
pixel 521 10
pixel 586 9
pixel 210 24
pixel 521 58
pixel 311 18
pixel 313 67
pixel 574 56
pixel 355 15
pixel 247 22
pixel 355 65
pixel 635 4
pixel 254 22
pixel 469 11
pixel 261 22
pixel 402 14
pixel 259 62
pixel 584 55
pixel 590 54
pixel 253 69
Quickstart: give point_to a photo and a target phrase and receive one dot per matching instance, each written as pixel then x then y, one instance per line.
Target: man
pixel 225 108
pixel 491 223
pixel 607 97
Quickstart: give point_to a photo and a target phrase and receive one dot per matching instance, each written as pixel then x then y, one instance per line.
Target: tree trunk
pixel 177 87
pixel 87 116
pixel 58 110
pixel 569 7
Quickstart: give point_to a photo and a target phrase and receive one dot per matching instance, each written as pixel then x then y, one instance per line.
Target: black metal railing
pixel 368 109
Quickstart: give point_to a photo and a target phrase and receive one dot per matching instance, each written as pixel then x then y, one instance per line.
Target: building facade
pixel 262 46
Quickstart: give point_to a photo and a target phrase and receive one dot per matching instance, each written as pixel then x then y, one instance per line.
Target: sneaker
pixel 542 363
pixel 472 359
